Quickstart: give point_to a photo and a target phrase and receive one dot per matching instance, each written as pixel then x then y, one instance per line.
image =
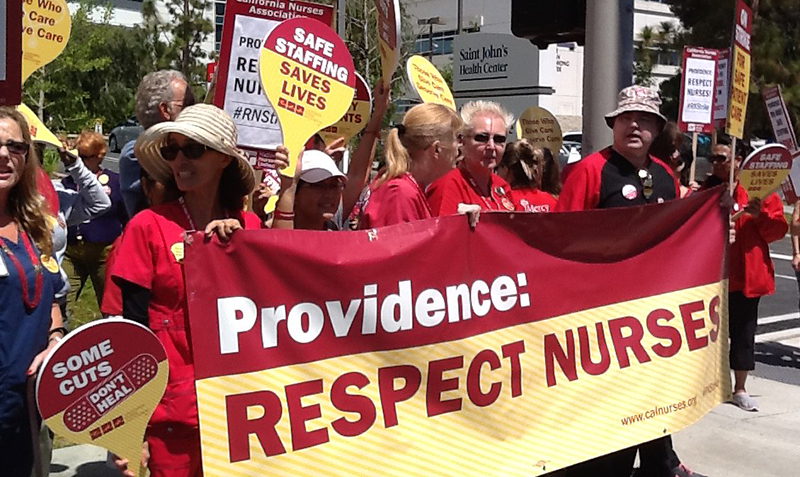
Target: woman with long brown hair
pixel 419 150
pixel 30 319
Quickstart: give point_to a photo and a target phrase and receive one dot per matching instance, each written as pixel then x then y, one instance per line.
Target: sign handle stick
pixel 693 167
pixel 731 184
pixel 713 137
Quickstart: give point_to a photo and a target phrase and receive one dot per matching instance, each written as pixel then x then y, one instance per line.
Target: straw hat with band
pixel 637 98
pixel 203 123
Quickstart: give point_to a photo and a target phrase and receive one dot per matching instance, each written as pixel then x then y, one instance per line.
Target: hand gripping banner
pixel 526 345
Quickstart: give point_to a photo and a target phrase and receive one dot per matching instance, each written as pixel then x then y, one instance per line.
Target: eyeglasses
pixel 190 150
pixel 18 148
pixel 717 158
pixel 483 138
pixel 647 182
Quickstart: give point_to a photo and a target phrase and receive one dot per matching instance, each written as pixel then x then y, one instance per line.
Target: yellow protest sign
pixel 101 384
pixel 740 70
pixel 764 170
pixel 428 82
pixel 540 128
pixel 46 26
pixel 39 132
pixel 307 74
pixel 388 37
pixel 355 119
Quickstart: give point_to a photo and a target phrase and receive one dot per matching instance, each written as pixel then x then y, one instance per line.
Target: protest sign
pixel 540 128
pixel 376 352
pixel 723 90
pixel 45 32
pixel 779 117
pixel 428 82
pixel 101 384
pixel 388 37
pixel 740 70
pixel 307 74
pixel 698 89
pixel 10 52
pixel 39 132
pixel 763 171
pixel 355 119
pixel 238 87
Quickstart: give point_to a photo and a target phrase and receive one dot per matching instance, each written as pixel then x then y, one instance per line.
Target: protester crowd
pixel 125 233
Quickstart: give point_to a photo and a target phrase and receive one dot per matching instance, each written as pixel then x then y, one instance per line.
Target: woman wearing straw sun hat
pixel 206 179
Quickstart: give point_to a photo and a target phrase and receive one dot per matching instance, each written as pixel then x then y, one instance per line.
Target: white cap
pixel 318 166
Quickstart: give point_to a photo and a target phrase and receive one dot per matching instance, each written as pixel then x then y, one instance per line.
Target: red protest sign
pixel 347 356
pixel 102 383
pixel 238 89
pixel 779 117
pixel 740 70
pixel 11 53
pixel 698 90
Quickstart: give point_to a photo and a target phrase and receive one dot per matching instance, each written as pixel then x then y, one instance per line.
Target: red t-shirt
pixel 455 188
pixel 150 254
pixel 395 201
pixel 533 200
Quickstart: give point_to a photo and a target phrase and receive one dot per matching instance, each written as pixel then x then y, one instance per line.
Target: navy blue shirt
pixel 106 227
pixel 23 332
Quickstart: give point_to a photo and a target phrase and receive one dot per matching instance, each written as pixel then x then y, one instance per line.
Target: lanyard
pixel 474 186
pixel 422 192
pixel 186 212
pixel 30 303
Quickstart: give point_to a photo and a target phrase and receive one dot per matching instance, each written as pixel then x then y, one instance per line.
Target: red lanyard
pixel 30 304
pixel 474 186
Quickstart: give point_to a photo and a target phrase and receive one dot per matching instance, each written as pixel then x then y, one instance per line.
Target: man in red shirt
pixel 474 182
pixel 750 270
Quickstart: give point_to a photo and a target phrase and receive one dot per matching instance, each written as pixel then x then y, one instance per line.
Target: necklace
pixel 422 192
pixel 30 303
pixel 186 212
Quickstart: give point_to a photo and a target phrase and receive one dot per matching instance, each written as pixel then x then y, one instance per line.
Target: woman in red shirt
pixel 418 151
pixel 473 181
pixel 206 179
pixel 521 167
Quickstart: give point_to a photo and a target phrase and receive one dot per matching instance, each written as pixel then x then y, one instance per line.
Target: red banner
pixel 353 346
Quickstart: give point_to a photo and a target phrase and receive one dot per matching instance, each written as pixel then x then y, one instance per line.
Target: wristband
pixel 60 329
pixel 280 215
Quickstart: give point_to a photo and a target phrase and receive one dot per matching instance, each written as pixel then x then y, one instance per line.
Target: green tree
pixel 775 52
pixel 94 78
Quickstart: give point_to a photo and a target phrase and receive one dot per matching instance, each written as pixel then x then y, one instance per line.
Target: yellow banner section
pixel 521 401
pixel 121 431
pixel 740 87
pixel 428 82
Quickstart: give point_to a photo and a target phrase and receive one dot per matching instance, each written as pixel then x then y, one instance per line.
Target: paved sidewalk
pixel 727 442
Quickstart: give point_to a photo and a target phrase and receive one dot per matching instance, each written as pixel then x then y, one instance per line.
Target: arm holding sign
pixel 358 173
pixel 764 217
pixel 284 209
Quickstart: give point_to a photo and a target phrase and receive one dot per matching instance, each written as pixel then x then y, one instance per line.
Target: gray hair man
pixel 161 96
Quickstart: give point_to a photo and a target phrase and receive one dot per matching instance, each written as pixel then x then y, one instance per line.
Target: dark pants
pixel 85 260
pixel 16 450
pixel 616 464
pixel 742 323
pixel 657 458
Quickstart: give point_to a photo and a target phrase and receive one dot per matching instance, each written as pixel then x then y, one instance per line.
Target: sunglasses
pixel 483 138
pixel 190 150
pixel 717 158
pixel 18 148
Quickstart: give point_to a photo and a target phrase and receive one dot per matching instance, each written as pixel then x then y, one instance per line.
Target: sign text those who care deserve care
pixel 563 354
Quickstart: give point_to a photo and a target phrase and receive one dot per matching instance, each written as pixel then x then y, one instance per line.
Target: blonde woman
pixel 421 149
pixel 29 279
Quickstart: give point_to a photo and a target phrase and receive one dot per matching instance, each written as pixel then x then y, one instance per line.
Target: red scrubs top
pixel 534 200
pixel 395 201
pixel 150 254
pixel 456 187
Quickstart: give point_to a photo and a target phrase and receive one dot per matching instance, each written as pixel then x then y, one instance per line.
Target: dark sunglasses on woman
pixel 18 148
pixel 484 138
pixel 190 150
